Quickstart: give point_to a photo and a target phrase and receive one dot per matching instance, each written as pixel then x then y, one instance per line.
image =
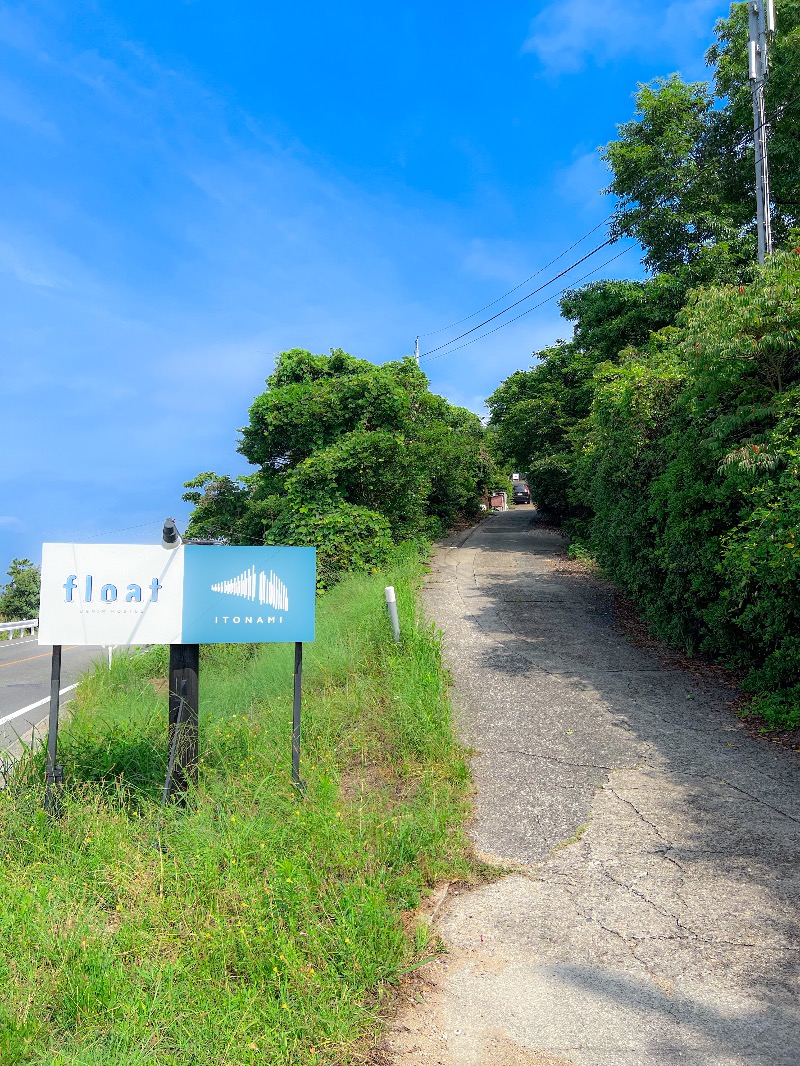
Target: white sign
pixel 111 594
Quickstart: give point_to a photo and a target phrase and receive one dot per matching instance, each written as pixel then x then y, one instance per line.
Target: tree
pixel 668 428
pixel 351 456
pixel 683 167
pixel 536 414
pixel 730 138
pixel 669 195
pixel 19 598
pixel 610 316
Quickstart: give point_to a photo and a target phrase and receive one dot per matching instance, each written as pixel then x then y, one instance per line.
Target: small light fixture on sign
pixel 171 538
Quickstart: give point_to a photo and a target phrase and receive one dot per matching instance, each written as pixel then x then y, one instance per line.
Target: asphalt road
pixel 652 915
pixel 25 682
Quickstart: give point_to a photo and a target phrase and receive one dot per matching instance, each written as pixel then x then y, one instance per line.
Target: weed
pixel 265 928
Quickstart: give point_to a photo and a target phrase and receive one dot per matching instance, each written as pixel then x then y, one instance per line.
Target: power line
pixel 555 296
pixel 541 270
pixel 523 298
pixel 107 533
pixel 698 170
pixel 778 117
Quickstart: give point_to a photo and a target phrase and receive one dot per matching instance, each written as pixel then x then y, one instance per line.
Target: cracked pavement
pixel 651 915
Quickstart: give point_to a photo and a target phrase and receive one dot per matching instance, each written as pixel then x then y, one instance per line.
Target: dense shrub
pixel 665 432
pixel 691 469
pixel 678 461
pixel 352 458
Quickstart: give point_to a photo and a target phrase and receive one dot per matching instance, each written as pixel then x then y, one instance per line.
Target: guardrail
pixel 11 627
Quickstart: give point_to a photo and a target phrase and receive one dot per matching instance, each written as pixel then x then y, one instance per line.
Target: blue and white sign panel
pixel 248 594
pixel 195 594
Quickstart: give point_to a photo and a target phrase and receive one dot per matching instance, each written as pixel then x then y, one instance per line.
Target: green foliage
pixel 668 196
pixel 352 458
pixel 620 457
pixel 265 928
pixel 683 166
pixel 19 597
pixel 536 415
pixel 691 470
pixel 610 316
pixel 678 460
pixel 348 537
pixel 666 429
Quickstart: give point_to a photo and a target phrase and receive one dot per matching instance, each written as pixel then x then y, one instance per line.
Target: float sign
pixel 195 594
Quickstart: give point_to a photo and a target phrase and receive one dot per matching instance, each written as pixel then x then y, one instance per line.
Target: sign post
pixel 183 595
pixel 53 774
pixel 184 669
pixel 298 690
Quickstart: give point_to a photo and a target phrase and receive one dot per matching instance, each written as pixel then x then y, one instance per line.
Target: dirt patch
pixel 417 989
pixel 565 564
pixel 358 783
pixel 504 1052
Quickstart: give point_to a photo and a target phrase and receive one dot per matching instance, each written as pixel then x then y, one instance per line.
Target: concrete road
pixel 652 915
pixel 25 683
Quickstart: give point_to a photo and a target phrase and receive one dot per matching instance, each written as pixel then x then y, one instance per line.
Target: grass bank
pixel 267 929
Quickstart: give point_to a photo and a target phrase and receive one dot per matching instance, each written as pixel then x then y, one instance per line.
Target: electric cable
pixel 516 303
pixel 555 296
pixel 427 355
pixel 541 270
pixel 768 119
pixel 107 533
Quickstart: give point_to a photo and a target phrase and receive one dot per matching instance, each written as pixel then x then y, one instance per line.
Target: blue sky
pixel 188 188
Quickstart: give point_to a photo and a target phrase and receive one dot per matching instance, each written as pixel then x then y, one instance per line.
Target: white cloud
pixel 583 180
pixel 10 521
pixel 24 270
pixel 495 260
pixel 564 36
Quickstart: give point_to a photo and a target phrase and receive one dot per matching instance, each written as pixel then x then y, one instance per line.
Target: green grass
pixel 267 928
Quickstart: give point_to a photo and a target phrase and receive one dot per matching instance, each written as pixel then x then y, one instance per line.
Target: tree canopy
pixel 19 598
pixel 351 456
pixel 666 430
pixel 683 167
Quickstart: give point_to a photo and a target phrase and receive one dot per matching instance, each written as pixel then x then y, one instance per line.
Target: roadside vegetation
pixel 666 431
pixel 254 924
pixel 351 457
pixel 19 596
pixel 265 927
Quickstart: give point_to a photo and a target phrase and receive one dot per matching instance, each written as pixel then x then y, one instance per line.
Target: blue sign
pixel 243 595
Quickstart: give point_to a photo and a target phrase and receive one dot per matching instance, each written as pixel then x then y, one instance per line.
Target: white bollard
pixel 391 603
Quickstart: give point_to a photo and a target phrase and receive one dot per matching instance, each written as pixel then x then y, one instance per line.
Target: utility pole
pixel 762 29
pixel 416 350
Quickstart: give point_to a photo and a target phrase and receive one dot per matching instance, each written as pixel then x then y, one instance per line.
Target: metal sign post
pixel 184 595
pixel 54 774
pixel 298 687
pixel 184 668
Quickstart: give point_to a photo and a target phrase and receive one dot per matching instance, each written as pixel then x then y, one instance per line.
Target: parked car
pixel 521 494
